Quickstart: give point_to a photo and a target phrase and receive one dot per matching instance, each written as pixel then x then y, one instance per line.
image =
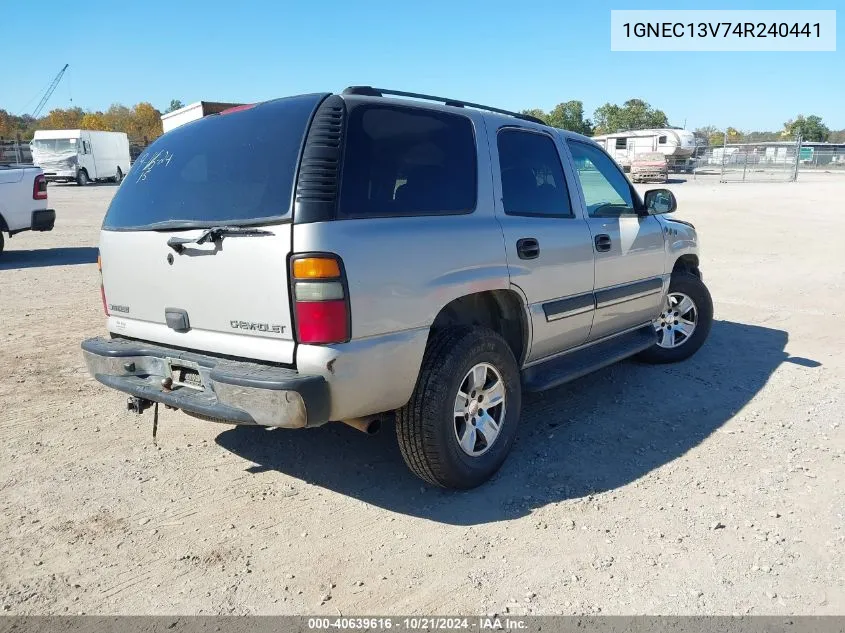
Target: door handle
pixel 528 248
pixel 603 243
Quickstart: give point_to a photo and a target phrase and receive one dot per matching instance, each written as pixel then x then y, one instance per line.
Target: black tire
pixel 2 242
pixel 118 176
pixel 82 178
pixel 690 285
pixel 425 427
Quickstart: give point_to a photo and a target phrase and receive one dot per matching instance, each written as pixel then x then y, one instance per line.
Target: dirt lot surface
pixel 712 486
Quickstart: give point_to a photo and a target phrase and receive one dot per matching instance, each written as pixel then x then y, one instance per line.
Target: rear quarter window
pixel 403 161
pixel 234 168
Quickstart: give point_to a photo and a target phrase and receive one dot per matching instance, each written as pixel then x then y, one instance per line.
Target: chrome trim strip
pixel 569 313
pixel 569 306
pixel 626 298
pixel 606 297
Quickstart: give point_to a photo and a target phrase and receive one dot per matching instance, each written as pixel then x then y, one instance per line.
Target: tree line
pixel 636 114
pixel 143 122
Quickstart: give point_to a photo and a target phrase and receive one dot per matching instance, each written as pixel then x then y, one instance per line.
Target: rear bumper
pixel 650 174
pixel 230 391
pixel 54 176
pixel 43 220
pixel 40 220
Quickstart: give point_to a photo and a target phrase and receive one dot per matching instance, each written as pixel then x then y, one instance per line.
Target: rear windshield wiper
pixel 214 234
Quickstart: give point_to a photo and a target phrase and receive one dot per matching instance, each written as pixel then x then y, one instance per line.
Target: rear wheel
pixel 461 421
pixel 685 321
pixel 2 243
pixel 82 178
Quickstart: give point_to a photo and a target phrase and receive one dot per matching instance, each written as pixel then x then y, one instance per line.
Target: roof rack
pixel 369 91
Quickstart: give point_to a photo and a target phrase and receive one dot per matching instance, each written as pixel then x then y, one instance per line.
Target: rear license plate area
pixel 184 374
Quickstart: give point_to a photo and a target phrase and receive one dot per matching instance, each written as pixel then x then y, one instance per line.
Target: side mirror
pixel 659 201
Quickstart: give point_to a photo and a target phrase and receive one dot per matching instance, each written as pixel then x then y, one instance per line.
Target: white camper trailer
pixel 81 155
pixel 193 112
pixel 676 145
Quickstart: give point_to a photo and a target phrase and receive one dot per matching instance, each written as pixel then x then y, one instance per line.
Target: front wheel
pixel 461 421
pixel 82 178
pixel 118 177
pixel 684 323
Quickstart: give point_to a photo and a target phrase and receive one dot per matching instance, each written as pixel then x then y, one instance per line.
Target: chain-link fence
pixel 780 161
pixel 14 151
pixel 749 162
pixel 822 159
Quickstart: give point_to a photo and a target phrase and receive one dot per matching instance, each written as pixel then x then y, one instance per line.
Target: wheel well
pixel 500 310
pixel 687 263
pixel 3 225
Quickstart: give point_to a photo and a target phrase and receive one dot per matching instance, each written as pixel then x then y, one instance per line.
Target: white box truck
pixel 193 112
pixel 81 155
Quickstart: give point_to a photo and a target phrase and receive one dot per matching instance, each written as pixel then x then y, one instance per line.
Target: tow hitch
pixel 139 405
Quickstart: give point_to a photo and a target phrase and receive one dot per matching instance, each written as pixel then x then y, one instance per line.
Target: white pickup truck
pixel 23 201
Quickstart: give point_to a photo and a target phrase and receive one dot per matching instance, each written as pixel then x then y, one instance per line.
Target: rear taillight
pixel 320 299
pixel 39 188
pixel 102 287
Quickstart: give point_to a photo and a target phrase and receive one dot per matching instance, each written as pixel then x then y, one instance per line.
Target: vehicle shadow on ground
pixel 596 434
pixel 65 256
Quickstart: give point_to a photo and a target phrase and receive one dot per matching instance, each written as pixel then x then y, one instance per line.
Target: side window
pixel 621 143
pixel 606 190
pixel 661 140
pixel 533 183
pixel 402 161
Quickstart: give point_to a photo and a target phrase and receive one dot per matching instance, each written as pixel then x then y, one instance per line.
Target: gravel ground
pixel 709 487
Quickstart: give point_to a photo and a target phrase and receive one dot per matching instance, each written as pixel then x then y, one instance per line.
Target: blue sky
pixel 509 54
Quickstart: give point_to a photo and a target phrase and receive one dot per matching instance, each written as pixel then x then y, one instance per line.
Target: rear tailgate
pixel 235 300
pixel 229 295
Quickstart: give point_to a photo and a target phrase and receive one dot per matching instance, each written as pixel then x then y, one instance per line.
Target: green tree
pixel 147 121
pixel 634 114
pixel 8 125
pixel 175 104
pixel 810 128
pixel 706 132
pixel 762 137
pixel 60 119
pixel 717 138
pixel 567 116
pixel 570 116
pixel 537 113
pixel 118 118
pixel 95 121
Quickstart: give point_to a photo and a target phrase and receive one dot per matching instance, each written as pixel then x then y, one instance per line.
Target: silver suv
pixel 358 257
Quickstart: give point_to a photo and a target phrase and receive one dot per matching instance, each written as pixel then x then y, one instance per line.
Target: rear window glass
pixel 533 183
pixel 403 161
pixel 234 168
